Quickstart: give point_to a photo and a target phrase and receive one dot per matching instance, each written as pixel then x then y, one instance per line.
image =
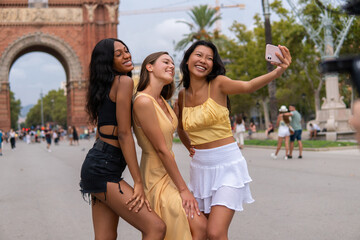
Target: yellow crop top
pixel 207 122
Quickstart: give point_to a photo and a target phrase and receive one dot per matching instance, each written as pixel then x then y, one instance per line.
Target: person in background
pixel 239 130
pixel 282 123
pixel 12 135
pixel 1 140
pixel 295 123
pixel 355 119
pixel 48 136
pixel 314 130
pixel 269 130
pixel 75 136
pixel 252 129
pixel 70 135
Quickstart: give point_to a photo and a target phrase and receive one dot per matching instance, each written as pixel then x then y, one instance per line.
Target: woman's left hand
pixel 138 198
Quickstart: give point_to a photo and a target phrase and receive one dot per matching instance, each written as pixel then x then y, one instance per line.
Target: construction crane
pixel 217 7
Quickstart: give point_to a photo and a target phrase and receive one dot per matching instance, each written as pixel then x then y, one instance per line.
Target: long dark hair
pixel 102 75
pixel 217 69
pixel 144 81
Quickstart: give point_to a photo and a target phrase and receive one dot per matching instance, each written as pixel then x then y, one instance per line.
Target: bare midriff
pixel 214 144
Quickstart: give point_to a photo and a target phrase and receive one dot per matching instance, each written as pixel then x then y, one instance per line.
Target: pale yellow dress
pixel 160 190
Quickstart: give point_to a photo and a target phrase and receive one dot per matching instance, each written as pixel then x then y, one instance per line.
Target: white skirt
pixel 283 131
pixel 219 176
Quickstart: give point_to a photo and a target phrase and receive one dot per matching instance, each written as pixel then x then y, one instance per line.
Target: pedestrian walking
pixel 1 140
pixel 70 135
pixel 75 136
pixel 108 104
pixel 239 131
pixel 12 136
pixel 48 136
pixel 282 123
pixel 219 177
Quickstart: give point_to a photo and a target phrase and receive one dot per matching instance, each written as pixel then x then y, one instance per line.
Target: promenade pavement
pixel 314 198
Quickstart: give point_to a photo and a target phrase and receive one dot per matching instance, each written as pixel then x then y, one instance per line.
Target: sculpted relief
pixel 35 15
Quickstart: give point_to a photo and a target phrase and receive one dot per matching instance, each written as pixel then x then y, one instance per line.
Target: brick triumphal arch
pixel 66 29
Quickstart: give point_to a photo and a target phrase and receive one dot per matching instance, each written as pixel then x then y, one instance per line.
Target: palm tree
pixel 203 18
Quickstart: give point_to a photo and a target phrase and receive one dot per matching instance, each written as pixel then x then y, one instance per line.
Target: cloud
pixel 171 29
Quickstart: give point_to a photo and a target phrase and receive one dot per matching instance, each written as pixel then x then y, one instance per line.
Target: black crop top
pixel 107 116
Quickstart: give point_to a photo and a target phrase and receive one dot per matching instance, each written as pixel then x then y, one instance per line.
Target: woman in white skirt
pixel 219 177
pixel 282 123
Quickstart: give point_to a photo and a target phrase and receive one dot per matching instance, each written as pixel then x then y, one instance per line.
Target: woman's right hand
pixel 190 204
pixel 191 151
pixel 138 198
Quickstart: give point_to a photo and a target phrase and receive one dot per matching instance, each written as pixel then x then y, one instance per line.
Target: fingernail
pixel 192 216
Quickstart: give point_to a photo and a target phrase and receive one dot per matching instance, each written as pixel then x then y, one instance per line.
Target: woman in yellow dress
pixel 154 125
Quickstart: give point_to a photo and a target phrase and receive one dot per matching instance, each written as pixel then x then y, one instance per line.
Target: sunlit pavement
pixel 317 197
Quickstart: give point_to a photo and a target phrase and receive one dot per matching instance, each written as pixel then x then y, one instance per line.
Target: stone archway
pixel 68 31
pixel 52 45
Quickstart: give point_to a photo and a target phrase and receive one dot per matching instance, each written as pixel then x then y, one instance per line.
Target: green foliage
pixel 15 108
pixel 301 84
pixel 203 18
pixel 54 109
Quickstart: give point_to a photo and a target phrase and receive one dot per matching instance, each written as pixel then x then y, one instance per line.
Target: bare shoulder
pixel 124 83
pixel 142 102
pixel 125 80
pixel 220 79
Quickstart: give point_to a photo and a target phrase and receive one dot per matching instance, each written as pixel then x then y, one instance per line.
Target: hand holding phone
pixel 270 55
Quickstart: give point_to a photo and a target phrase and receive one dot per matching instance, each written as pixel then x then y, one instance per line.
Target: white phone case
pixel 270 53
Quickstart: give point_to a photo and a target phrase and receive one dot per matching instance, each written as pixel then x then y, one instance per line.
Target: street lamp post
pixel 42 109
pixel 272 84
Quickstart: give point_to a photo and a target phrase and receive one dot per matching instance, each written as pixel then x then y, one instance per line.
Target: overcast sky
pixel 144 34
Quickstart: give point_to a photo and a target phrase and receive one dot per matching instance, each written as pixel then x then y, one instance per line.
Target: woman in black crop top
pixel 109 106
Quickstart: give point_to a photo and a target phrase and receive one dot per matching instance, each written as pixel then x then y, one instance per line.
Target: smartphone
pixel 270 53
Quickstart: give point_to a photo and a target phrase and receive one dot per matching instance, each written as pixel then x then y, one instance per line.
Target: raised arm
pixel 126 140
pixel 145 117
pixel 229 86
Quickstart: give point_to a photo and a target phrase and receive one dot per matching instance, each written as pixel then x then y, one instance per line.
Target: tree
pixel 54 109
pixel 15 108
pixel 203 18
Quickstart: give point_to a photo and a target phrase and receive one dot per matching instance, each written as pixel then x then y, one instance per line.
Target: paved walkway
pixel 314 198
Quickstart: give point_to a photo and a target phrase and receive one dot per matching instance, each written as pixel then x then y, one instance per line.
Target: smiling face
pixel 163 68
pixel 122 58
pixel 200 62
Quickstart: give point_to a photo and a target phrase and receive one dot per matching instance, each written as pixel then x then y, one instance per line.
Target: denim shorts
pixel 103 163
pixel 296 135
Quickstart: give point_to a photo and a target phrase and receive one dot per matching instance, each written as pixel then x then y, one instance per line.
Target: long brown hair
pixel 286 118
pixel 144 81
